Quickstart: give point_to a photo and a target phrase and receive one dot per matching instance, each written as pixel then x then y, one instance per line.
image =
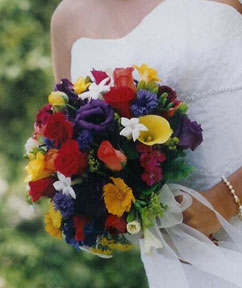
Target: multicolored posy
pixel 101 150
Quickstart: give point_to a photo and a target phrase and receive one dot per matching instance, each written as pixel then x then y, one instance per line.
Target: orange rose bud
pixel 114 159
pixel 50 157
pixel 123 78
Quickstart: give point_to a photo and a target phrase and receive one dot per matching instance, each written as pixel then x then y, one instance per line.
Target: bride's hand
pixel 202 218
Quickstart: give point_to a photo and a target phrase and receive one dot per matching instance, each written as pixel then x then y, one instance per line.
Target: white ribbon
pixel 169 241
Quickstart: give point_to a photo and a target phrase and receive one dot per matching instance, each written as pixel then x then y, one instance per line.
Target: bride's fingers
pixel 179 198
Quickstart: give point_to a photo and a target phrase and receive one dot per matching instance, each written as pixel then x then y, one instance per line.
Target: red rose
pixel 70 161
pixel 79 223
pixel 116 224
pixel 43 116
pixel 42 187
pixel 120 99
pixel 123 78
pixel 114 159
pixel 58 128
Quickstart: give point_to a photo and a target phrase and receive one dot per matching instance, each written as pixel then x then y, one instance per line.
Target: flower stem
pixel 71 107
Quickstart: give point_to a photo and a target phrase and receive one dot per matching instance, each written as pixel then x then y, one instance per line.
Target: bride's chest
pixel 192 50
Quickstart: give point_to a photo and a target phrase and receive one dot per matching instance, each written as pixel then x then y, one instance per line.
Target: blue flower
pixel 64 203
pixel 84 140
pixel 92 230
pixel 48 142
pixel 144 104
pixel 69 232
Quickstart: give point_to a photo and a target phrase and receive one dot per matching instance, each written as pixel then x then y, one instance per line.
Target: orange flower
pixel 118 197
pixel 113 158
pixel 50 157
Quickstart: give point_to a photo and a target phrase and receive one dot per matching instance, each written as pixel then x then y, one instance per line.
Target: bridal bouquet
pixel 102 150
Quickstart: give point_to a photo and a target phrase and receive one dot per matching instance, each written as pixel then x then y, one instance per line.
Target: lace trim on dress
pixel 196 96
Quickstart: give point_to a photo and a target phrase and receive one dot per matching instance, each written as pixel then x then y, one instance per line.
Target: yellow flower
pixel 121 247
pixel 36 168
pixel 105 242
pixel 118 197
pixel 53 222
pixel 80 85
pixel 101 252
pixel 159 130
pixel 147 73
pixel 57 98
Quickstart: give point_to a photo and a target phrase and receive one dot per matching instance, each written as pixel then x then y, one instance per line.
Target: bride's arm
pixel 61 41
pixel 201 218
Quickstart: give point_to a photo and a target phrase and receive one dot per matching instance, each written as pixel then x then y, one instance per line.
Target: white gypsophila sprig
pixel 64 185
pixel 30 145
pixel 132 128
pixel 96 90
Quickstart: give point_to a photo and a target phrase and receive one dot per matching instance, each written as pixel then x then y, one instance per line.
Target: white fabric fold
pixel 181 242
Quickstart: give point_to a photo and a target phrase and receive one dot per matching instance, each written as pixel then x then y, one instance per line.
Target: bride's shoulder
pixel 72 16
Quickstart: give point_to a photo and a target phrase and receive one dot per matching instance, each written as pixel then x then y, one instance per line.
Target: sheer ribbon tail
pixel 181 242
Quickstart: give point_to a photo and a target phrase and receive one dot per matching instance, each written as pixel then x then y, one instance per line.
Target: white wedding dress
pixel 196 47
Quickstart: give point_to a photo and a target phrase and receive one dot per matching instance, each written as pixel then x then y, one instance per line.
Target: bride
pixel 196 47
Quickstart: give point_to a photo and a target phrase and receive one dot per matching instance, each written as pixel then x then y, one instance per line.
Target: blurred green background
pixel 28 256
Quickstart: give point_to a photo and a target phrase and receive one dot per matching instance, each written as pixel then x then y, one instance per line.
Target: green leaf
pixel 141 85
pixel 131 216
pixel 177 169
pixel 130 150
pixel 141 202
pixel 150 190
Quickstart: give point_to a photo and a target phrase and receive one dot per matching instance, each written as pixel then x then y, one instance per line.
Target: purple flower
pixel 95 115
pixel 84 140
pixel 67 87
pixel 49 143
pixel 144 104
pixel 63 203
pixel 189 133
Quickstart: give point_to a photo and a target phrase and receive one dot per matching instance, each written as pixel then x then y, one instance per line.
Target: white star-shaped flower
pixel 64 185
pixel 96 91
pixel 132 128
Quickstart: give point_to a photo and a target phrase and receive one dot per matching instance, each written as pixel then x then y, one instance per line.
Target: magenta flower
pixel 152 175
pixel 99 76
pixel 152 159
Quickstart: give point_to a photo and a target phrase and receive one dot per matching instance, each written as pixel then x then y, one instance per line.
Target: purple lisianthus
pixel 84 140
pixel 64 203
pixel 144 104
pixel 95 115
pixel 189 133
